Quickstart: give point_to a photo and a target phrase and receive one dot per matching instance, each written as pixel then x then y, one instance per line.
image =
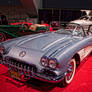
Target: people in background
pixel 3 20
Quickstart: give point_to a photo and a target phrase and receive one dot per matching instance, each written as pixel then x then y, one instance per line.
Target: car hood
pixel 45 42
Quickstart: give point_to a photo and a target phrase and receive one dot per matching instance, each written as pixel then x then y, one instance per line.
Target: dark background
pixel 68 4
pixel 59 14
pixel 10 2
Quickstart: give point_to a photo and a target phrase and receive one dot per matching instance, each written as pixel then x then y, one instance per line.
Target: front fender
pixel 67 53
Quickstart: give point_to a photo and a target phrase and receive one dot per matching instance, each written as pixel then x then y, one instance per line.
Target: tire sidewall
pixel 65 79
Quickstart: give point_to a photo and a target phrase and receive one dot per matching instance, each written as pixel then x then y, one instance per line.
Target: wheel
pixel 70 73
pixel 2 37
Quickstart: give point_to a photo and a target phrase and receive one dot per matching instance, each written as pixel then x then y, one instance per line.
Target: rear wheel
pixel 2 37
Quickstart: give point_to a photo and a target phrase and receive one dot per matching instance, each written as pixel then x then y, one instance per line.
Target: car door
pixel 88 49
pixel 81 53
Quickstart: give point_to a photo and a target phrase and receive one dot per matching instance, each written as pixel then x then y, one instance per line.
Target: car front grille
pixel 20 66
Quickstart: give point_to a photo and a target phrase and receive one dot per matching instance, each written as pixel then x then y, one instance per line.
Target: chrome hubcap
pixel 70 71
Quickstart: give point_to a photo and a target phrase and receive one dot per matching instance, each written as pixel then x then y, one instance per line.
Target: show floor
pixel 82 81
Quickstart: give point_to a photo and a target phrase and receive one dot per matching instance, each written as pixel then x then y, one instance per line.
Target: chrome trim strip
pixel 31 38
pixel 46 80
pixel 53 43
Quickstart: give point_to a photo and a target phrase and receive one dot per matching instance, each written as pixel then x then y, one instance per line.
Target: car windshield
pixel 72 29
pixel 84 18
pixel 89 18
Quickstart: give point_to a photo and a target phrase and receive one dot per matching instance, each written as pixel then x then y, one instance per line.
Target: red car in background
pixel 53 26
pixel 25 24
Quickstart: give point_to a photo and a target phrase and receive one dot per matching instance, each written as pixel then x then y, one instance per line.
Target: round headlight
pixel 44 61
pixel 52 63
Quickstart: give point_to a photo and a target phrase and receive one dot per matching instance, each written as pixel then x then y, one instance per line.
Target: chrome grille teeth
pixel 20 67
pixel 28 70
pixel 12 64
pixel 24 70
pixel 32 71
pixel 15 66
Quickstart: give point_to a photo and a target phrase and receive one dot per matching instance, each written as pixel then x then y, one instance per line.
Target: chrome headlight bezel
pixel 49 62
pixel 44 61
pixel 53 63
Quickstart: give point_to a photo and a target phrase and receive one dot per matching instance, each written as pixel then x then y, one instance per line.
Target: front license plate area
pixel 15 75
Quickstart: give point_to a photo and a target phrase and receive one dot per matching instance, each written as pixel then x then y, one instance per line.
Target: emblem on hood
pixel 22 54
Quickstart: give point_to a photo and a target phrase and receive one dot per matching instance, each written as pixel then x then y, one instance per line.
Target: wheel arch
pixel 77 59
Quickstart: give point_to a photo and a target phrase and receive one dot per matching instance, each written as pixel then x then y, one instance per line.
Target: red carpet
pixel 82 82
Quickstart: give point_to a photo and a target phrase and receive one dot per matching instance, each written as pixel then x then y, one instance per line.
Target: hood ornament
pixel 22 54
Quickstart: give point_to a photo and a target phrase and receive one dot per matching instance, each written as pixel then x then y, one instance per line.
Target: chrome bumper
pixel 47 78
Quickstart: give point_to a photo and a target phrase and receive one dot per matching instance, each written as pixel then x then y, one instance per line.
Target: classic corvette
pixel 52 56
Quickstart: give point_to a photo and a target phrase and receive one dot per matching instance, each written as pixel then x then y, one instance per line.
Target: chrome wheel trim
pixel 70 75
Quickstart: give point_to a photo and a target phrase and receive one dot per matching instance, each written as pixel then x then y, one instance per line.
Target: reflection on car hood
pixel 44 42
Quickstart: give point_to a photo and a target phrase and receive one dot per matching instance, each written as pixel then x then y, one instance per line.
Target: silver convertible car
pixel 50 56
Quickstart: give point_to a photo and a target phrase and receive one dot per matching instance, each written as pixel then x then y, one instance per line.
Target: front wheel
pixel 70 73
